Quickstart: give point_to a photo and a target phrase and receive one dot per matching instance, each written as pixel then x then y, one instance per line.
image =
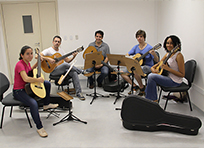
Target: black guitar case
pixel 63 104
pixel 110 83
pixel 138 113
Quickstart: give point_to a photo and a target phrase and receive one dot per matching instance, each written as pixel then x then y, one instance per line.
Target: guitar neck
pixel 105 64
pixel 144 55
pixel 68 54
pixel 39 66
pixel 154 48
pixel 165 60
pixel 64 56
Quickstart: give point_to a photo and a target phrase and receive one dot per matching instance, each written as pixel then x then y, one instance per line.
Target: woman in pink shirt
pixel 21 77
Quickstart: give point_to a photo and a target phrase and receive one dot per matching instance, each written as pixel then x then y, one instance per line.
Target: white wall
pixel 118 19
pixel 184 18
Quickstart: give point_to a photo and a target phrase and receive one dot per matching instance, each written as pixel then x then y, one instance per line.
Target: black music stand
pixel 133 65
pixel 69 116
pixel 91 60
pixel 118 60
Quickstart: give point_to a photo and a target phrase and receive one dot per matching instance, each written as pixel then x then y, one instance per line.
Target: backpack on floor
pixel 110 83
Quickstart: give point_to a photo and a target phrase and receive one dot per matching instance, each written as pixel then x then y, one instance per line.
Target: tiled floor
pixel 103 129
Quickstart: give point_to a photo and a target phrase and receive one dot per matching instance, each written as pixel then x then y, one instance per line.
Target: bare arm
pixel 68 60
pixel 153 68
pixel 28 79
pixel 156 58
pixel 181 66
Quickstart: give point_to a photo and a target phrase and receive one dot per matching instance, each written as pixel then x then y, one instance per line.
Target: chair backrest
pixel 190 68
pixel 4 84
pixel 158 57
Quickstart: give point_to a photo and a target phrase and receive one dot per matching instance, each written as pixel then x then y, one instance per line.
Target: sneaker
pixel 142 91
pixel 49 106
pixel 42 132
pixel 135 88
pixel 80 96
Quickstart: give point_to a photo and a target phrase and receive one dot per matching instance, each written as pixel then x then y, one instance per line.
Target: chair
pixel 190 68
pixel 9 99
pixel 66 81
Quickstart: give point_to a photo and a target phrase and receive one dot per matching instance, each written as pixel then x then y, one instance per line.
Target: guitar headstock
pixel 37 51
pixel 157 46
pixel 80 49
pixel 176 48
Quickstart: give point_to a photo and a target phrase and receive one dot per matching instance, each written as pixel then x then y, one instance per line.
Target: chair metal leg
pixel 11 111
pixel 189 101
pixel 27 117
pixel 159 95
pixel 167 100
pixel 2 117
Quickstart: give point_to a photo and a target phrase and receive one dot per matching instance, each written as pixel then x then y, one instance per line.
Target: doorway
pixel 33 24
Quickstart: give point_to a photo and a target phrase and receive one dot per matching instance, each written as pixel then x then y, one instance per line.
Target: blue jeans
pixel 146 69
pixel 153 80
pixel 22 96
pixel 104 72
pixel 62 69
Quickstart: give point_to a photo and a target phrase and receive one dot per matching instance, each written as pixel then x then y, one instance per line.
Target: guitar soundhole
pixel 47 64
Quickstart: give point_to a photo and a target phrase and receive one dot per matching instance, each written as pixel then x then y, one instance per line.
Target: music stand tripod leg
pixel 132 69
pixel 95 94
pixel 119 87
pixel 70 117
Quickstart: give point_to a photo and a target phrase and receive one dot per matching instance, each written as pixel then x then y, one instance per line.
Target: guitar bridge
pixel 38 87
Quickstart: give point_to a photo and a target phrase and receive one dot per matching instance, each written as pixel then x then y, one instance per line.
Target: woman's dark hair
pixel 23 50
pixel 140 32
pixel 99 32
pixel 175 41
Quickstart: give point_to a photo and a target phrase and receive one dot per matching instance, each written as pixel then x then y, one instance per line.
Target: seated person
pixel 175 67
pixel 61 69
pixel 21 77
pixel 100 46
pixel 141 48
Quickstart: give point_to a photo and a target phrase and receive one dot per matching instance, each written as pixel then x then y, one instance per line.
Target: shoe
pixel 135 88
pixel 99 85
pixel 49 106
pixel 170 97
pixel 91 86
pixel 155 101
pixel 42 132
pixel 142 91
pixel 86 73
pixel 80 96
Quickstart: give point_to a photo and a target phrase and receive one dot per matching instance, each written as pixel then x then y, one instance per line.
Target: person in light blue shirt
pixel 149 59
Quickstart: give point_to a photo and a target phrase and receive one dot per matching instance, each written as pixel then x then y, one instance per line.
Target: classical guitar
pixel 140 57
pixel 48 67
pixel 161 71
pixel 36 88
pixel 92 49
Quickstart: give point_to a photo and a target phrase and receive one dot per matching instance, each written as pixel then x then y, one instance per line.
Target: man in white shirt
pixel 62 68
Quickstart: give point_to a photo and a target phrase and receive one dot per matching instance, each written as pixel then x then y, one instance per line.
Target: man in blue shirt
pixel 149 59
